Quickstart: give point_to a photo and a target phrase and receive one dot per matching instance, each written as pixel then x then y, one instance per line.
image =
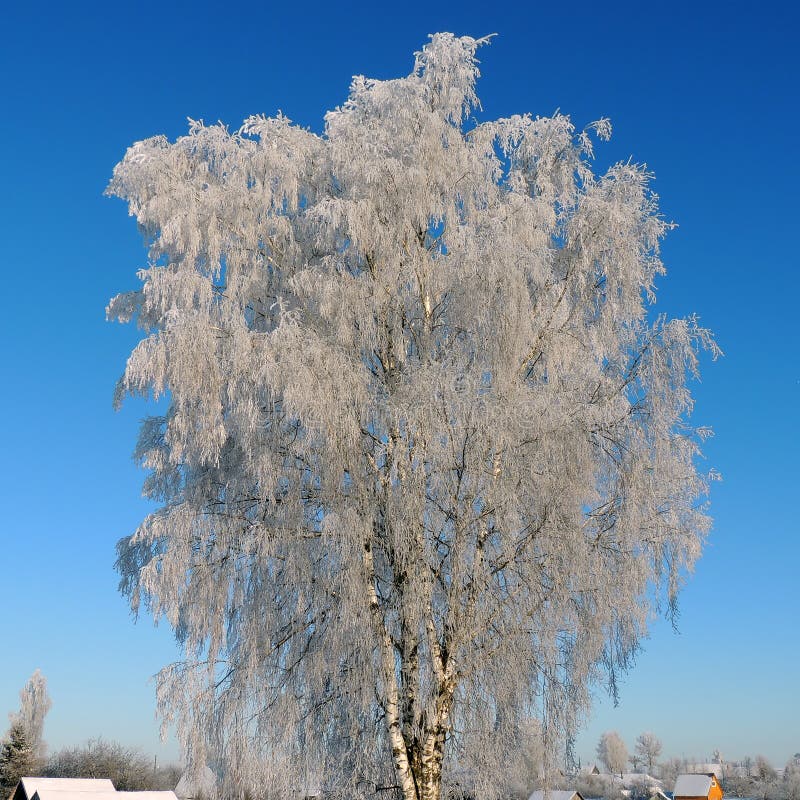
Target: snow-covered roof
pixel 31 785
pixel 67 794
pixel 692 786
pixel 197 783
pixel 631 778
pixel 553 794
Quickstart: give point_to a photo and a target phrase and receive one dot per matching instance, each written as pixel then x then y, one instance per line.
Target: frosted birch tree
pixel 426 468
pixel 34 703
pixel 648 748
pixel 612 752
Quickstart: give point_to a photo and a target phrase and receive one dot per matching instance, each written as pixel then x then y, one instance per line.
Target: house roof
pixel 56 794
pixel 694 785
pixel 31 785
pixel 631 778
pixel 553 794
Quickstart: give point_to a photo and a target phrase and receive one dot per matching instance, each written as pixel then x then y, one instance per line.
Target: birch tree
pixel 648 748
pixel 34 703
pixel 612 752
pixel 425 468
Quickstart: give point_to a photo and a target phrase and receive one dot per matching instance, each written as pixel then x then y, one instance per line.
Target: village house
pixel 27 787
pixel 632 784
pixel 697 786
pixel 635 782
pixel 79 789
pixel 55 794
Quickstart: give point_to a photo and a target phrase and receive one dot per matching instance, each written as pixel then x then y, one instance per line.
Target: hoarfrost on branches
pixel 612 752
pixel 426 467
pixel 34 703
pixel 648 747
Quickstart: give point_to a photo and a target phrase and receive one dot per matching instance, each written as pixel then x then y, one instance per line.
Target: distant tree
pixel 791 778
pixel 34 704
pixel 17 758
pixel 758 779
pixel 167 777
pixel 526 765
pixel 639 790
pixel 669 771
pixel 635 761
pixel 427 460
pixel 764 769
pixel 596 786
pixel 648 747
pixel 128 768
pixel 611 750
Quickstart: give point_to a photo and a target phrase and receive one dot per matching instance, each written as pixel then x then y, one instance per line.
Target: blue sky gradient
pixel 707 97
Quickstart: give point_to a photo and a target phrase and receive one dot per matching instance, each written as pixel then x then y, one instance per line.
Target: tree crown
pixel 426 465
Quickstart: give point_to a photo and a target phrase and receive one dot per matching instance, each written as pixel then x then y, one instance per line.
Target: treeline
pixel 752 778
pixel 759 780
pixel 128 768
pixel 23 752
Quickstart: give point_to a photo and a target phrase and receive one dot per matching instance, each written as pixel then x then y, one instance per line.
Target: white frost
pixel 426 469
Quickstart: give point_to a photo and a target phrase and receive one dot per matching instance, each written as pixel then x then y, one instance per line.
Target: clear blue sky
pixel 705 93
